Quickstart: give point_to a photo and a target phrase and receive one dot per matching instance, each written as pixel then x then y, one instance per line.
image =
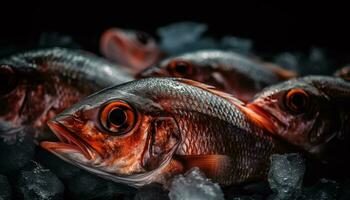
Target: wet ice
pixel 36 182
pixel 194 185
pixel 286 176
pixel 16 148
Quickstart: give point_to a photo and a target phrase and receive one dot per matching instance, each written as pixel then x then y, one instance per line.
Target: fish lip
pixel 67 140
pixel 267 115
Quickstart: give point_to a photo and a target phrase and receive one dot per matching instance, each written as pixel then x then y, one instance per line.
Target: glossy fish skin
pixel 312 113
pixel 227 71
pixel 39 84
pixel 180 124
pixel 133 49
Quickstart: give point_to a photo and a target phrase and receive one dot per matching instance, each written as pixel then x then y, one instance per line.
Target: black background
pixel 274 27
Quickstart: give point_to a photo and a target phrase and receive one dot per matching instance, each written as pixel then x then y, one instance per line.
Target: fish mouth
pixel 272 119
pixel 69 142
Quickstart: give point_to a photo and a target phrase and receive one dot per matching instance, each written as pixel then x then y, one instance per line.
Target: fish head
pixel 343 73
pixel 116 134
pixel 135 49
pixel 301 113
pixel 202 66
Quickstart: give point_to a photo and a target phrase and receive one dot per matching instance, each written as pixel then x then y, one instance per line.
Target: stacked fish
pixel 149 112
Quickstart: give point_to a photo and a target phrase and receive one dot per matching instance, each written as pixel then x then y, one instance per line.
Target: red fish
pixel 37 85
pixel 151 129
pixel 312 112
pixel 134 49
pixel 227 71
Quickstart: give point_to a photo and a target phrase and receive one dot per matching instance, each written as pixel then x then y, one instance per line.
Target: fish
pixel 151 129
pixel 36 85
pixel 134 49
pixel 227 71
pixel 310 112
pixel 343 73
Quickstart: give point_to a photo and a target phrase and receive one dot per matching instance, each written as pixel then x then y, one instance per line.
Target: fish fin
pixel 283 74
pixel 212 165
pixel 255 117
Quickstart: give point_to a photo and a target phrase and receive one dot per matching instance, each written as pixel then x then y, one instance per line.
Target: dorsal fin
pixel 255 117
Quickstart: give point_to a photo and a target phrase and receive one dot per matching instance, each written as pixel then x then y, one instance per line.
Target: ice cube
pixel 151 191
pixel 290 61
pixel 194 185
pixel 62 169
pixel 177 35
pixel 286 176
pixel 5 188
pixel 324 190
pixel 236 44
pixel 16 148
pixel 36 182
pixel 87 186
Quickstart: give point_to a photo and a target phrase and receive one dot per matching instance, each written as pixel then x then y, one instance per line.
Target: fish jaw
pixel 68 143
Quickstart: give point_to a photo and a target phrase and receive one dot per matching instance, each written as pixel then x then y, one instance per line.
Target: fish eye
pixel 142 37
pixel 8 81
pixel 181 68
pixel 117 117
pixel 297 101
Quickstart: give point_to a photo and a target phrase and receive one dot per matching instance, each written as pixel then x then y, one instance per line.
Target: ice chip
pixel 194 185
pixel 36 182
pixel 286 176
pixel 16 148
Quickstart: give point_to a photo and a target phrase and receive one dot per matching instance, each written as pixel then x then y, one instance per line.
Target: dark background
pixel 274 27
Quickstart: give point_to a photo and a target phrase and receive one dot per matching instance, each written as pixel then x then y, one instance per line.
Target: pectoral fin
pixel 214 166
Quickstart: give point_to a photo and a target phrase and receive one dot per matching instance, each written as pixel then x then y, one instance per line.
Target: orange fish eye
pixel 297 100
pixel 117 117
pixel 181 68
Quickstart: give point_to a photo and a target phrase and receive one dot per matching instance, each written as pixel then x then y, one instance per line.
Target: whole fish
pixel 343 73
pixel 312 113
pixel 37 85
pixel 150 129
pixel 227 71
pixel 134 49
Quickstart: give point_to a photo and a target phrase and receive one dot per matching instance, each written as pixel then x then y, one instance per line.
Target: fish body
pixel 37 85
pixel 227 71
pixel 151 129
pixel 133 49
pixel 312 113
